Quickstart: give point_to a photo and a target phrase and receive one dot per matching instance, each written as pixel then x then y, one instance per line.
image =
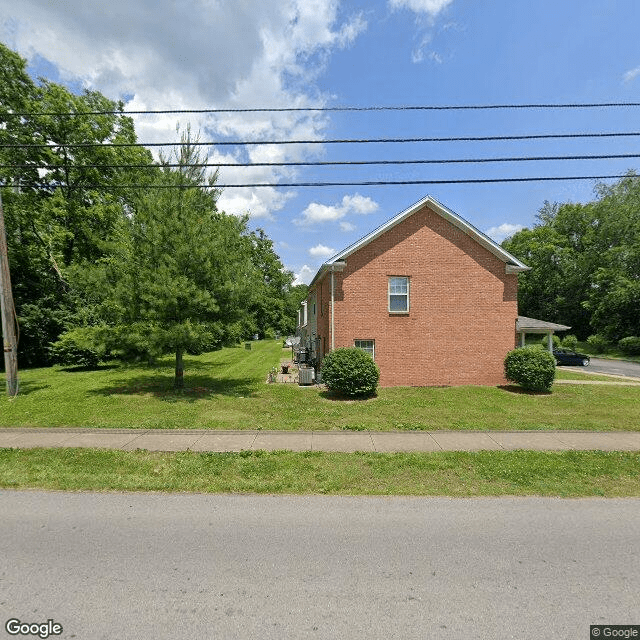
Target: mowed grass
pixel 571 374
pixel 227 390
pixel 486 473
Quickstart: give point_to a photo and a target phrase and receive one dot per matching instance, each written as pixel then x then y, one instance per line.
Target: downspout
pixel 333 267
pixel 333 340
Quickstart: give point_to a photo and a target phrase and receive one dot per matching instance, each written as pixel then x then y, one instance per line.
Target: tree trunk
pixel 179 380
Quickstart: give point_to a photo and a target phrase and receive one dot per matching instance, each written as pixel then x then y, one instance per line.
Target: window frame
pixel 407 295
pixel 373 347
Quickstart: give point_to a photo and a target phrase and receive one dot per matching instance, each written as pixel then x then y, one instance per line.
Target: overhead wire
pixel 215 143
pixel 316 141
pixel 369 183
pixel 331 163
pixel 466 107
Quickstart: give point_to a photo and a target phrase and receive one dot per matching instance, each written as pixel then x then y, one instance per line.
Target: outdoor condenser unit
pixel 306 375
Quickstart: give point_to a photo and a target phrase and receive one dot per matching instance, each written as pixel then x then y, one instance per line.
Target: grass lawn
pixel 485 473
pixel 563 374
pixel 226 390
pixel 612 352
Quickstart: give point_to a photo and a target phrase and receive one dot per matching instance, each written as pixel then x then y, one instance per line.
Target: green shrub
pixel 597 343
pixel 76 348
pixel 544 341
pixel 531 368
pixel 570 342
pixel 351 372
pixel 630 346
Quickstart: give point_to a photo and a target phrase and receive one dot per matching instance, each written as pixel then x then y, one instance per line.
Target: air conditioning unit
pixel 306 375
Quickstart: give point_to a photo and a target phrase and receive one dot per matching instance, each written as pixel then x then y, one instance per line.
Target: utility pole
pixel 7 311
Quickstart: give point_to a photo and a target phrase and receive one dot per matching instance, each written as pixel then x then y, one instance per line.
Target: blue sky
pixel 271 53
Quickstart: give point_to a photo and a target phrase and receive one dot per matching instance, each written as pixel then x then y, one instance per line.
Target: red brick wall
pixel 463 305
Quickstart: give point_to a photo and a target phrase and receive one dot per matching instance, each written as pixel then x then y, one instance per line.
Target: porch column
pixel 523 340
pixel 550 341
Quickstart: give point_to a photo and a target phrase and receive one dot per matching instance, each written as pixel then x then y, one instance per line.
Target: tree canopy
pixel 142 272
pixel 67 213
pixel 179 274
pixel 585 261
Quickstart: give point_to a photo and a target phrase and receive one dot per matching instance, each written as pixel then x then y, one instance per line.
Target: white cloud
pixel 428 7
pixel 198 54
pixel 321 213
pixel 505 230
pixel 304 276
pixel 347 226
pixel 631 75
pixel 426 12
pixel 318 213
pixel 360 204
pixel 352 30
pixel 320 251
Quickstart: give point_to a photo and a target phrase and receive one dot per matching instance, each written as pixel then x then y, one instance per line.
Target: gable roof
pixel 513 264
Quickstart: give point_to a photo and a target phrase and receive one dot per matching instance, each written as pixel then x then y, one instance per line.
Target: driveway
pixel 614 367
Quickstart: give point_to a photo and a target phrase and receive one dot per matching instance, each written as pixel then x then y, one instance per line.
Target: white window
pixel 398 294
pixel 366 345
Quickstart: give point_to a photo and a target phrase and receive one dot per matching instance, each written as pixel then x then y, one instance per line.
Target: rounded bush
pixel 350 372
pixel 570 342
pixel 544 342
pixel 75 348
pixel 531 368
pixel 597 343
pixel 630 346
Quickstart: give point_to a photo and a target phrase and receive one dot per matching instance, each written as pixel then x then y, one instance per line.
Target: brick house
pixel 428 295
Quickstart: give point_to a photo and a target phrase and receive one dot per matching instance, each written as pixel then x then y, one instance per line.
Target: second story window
pixel 398 294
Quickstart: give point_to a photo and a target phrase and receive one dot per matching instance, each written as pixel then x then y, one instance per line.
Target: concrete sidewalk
pixel 344 441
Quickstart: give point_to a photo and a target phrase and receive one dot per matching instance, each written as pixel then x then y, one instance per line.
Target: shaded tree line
pixel 110 271
pixel 585 261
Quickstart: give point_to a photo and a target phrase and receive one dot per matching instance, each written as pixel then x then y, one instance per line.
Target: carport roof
pixel 531 325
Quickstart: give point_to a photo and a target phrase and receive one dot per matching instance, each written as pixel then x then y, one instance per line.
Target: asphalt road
pixel 616 367
pixel 128 566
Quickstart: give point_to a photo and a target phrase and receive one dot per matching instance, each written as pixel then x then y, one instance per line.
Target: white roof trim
pixel 513 264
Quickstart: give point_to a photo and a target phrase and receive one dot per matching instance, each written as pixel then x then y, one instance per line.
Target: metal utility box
pixel 306 375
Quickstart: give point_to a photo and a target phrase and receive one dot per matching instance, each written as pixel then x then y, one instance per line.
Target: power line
pixel 372 183
pixel 467 107
pixel 330 163
pixel 217 143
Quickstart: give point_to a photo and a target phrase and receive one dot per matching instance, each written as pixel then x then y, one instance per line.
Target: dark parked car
pixel 566 356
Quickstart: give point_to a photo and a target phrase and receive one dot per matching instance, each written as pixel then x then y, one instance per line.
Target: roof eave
pixel 332 265
pixel 447 214
pixel 513 265
pixel 513 268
